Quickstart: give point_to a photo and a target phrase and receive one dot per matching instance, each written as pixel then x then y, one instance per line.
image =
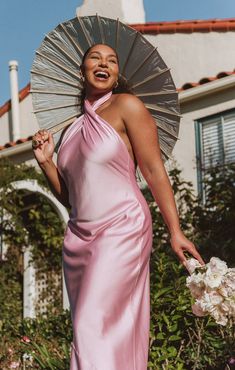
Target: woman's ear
pixel 80 75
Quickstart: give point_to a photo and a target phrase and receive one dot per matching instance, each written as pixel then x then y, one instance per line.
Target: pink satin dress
pixel 107 246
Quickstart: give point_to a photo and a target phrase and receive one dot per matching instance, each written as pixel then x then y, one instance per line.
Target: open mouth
pixel 102 75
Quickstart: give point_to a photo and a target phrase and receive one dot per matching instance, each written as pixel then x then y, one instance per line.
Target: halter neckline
pixel 97 103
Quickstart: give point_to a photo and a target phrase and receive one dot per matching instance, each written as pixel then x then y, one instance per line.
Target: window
pixel 215 143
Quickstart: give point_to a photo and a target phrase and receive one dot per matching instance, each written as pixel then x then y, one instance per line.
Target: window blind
pixel 215 138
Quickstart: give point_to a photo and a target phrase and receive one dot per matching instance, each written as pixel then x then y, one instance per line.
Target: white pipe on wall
pixel 15 108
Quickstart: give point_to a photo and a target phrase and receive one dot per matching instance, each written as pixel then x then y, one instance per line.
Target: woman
pixel 108 239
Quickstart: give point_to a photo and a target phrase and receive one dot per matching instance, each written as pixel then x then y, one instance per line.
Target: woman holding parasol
pixel 108 239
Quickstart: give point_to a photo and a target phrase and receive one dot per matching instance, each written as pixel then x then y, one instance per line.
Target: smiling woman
pixel 108 239
pixel 94 55
pixel 100 68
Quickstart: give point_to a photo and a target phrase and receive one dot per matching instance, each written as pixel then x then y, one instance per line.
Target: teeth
pixel 101 74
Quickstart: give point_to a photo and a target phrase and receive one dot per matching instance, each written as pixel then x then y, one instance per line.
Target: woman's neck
pixel 93 96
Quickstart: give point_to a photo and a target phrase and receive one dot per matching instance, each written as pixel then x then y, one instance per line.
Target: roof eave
pixel 17 149
pixel 206 89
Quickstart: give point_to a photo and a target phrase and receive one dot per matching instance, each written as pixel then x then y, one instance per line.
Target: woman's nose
pixel 103 62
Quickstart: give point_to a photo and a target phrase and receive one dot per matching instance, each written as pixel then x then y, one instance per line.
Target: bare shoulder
pixel 131 106
pixel 129 103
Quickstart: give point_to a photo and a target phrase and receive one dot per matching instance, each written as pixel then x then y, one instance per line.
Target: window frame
pixel 199 146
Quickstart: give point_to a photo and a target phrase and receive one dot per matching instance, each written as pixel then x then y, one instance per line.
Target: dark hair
pixel 123 86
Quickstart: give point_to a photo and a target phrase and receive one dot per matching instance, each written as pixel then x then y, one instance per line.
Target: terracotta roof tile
pixel 22 94
pixel 14 143
pixel 209 25
pixel 204 80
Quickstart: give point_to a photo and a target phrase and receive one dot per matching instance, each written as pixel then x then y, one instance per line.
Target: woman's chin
pixel 99 87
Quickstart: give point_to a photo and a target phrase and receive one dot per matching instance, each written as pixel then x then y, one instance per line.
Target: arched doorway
pixel 29 282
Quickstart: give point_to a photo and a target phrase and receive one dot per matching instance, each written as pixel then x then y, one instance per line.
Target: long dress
pixel 106 249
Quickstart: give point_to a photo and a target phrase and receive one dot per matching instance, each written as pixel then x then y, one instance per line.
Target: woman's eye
pixel 113 61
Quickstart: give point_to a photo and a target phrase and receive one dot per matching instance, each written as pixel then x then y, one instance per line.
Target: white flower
pixel 197 310
pixel 220 317
pixel 223 290
pixel 213 279
pixel 196 284
pixel 206 303
pixel 215 298
pixel 218 266
pixel 213 287
pixel 192 264
pixel 229 279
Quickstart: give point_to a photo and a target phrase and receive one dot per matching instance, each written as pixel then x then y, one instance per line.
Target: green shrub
pixel 178 339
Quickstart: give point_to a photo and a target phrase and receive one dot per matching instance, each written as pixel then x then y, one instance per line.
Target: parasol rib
pixel 100 29
pixel 151 77
pixel 67 82
pixel 67 93
pixel 75 44
pixel 52 108
pixel 58 64
pixel 130 51
pixel 62 50
pixel 158 93
pixel 160 109
pixel 59 126
pixel 161 127
pixel 117 34
pixel 84 32
pixel 165 153
pixel 142 63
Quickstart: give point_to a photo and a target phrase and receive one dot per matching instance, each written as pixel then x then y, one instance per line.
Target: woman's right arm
pixel 43 153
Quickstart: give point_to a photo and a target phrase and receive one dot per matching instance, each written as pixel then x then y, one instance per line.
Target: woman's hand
pixel 180 243
pixel 43 146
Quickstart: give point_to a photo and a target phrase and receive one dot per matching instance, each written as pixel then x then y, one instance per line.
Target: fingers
pixel 195 254
pixel 39 138
pixel 50 138
pixel 193 251
pixel 181 256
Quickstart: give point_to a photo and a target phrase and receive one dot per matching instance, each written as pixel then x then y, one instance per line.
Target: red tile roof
pixel 209 25
pixel 204 80
pixel 25 91
pixel 22 94
pixel 14 143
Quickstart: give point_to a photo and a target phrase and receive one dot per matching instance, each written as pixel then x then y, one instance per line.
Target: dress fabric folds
pixel 107 247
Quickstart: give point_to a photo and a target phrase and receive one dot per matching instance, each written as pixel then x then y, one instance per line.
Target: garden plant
pixel 178 339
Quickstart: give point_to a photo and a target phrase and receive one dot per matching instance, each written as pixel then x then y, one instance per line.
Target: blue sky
pixel 24 23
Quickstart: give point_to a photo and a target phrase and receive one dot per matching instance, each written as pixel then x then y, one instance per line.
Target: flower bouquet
pixel 213 289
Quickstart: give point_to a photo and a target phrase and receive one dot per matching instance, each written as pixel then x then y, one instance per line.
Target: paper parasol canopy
pixel 56 84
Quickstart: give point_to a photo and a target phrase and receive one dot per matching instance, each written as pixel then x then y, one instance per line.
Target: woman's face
pixel 100 69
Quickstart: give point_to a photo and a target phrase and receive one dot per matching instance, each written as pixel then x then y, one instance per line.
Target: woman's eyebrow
pixel 109 55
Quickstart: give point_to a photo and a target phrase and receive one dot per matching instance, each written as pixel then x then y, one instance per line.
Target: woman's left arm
pixel 142 133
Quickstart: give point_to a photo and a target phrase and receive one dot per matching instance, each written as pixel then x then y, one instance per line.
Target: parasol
pixel 56 84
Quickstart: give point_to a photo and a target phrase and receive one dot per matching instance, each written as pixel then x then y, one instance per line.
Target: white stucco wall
pixel 28 123
pixel 130 11
pixel 5 128
pixel 185 149
pixel 192 56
